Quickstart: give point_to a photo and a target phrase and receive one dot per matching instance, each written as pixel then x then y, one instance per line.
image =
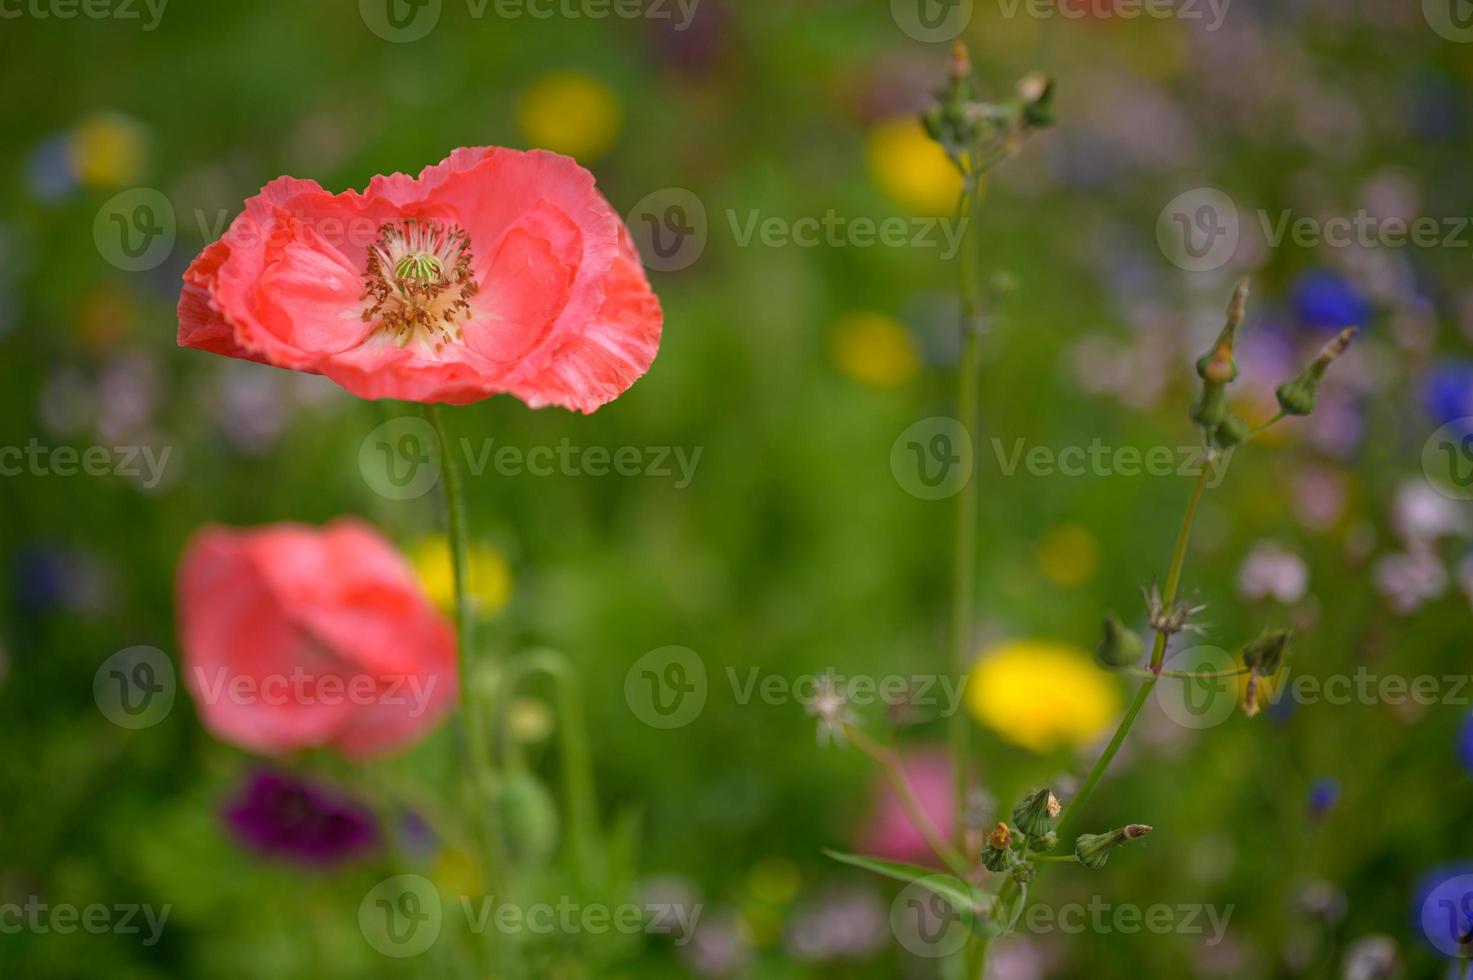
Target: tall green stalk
pixel 481 772
pixel 964 570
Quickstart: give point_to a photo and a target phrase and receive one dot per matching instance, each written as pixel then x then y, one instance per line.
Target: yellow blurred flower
pixel 456 872
pixel 1068 555
pixel 874 348
pixel 490 575
pixel 775 880
pixel 1042 695
pixel 108 150
pixel 912 168
pixel 572 113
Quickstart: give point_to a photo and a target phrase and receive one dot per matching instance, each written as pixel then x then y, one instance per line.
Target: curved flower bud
pixel 1093 850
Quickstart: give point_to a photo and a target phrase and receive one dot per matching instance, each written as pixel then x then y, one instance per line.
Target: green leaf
pixel 963 898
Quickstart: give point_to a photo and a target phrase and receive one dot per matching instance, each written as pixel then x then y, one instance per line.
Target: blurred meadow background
pixel 789 370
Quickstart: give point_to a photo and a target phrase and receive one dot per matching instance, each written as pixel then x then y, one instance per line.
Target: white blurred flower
pixel 1421 515
pixel 1372 958
pixel 1270 570
pixel 1410 578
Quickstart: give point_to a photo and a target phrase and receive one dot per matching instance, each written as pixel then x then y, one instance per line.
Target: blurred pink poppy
pixel 493 271
pixel 888 831
pixel 296 637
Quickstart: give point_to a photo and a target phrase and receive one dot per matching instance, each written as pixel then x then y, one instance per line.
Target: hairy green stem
pixel 481 772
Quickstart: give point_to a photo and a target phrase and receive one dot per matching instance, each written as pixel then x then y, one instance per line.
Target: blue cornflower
pixel 1447 391
pixel 1326 300
pixel 1323 793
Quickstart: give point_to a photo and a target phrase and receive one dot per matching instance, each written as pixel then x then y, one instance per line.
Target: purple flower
pixel 1447 391
pixel 1323 793
pixel 287 817
pixel 1326 300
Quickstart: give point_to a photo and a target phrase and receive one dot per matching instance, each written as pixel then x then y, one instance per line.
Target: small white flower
pixel 830 705
pixel 1270 570
pixel 1410 578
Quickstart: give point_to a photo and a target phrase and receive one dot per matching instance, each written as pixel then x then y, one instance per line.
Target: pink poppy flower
pixel 296 637
pixel 493 271
pixel 888 831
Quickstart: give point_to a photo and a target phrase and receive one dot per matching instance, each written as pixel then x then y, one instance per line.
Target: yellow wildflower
pixel 572 113
pixel 490 575
pixel 1042 695
pixel 874 348
pixel 912 168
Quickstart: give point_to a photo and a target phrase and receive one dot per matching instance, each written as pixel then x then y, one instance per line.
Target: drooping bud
pixel 1119 646
pixel 1047 842
pixel 1093 850
pixel 1230 432
pixel 1035 816
pixel 1217 368
pixel 1265 652
pixel 1297 396
pixel 1037 92
pixel 996 854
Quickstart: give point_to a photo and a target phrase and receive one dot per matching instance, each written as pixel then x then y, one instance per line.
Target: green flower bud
pixel 996 853
pixel 1266 652
pixel 529 816
pixel 1119 646
pixel 1093 850
pixel 1230 432
pixel 1297 396
pixel 1023 873
pixel 1047 842
pixel 1210 409
pixel 1035 816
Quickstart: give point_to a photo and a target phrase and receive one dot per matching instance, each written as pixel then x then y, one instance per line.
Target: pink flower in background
pixel 493 271
pixel 296 637
pixel 888 831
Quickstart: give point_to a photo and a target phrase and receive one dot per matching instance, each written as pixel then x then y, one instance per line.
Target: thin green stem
pixel 481 772
pixel 577 765
pixel 964 570
pixel 1265 426
pixel 1187 675
pixel 1158 655
pixel 889 762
